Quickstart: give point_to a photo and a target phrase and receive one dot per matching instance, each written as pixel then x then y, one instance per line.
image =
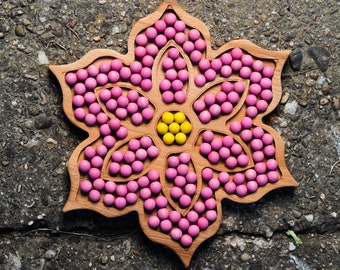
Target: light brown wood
pixel 220 126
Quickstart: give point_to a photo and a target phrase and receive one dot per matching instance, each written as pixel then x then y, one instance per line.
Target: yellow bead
pixel 179 117
pixel 186 127
pixel 180 138
pixel 162 128
pixel 168 138
pixel 174 128
pixel 167 118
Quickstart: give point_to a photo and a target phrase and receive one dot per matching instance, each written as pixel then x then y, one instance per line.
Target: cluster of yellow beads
pixel 174 127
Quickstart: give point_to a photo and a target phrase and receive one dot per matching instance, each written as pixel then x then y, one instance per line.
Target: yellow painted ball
pixel 162 128
pixel 180 138
pixel 168 138
pixel 167 118
pixel 186 127
pixel 179 117
pixel 174 127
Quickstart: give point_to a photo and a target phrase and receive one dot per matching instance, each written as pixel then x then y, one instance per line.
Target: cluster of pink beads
pixel 184 180
pixel 132 161
pixel 176 75
pixel 213 105
pixel 132 104
pixel 226 150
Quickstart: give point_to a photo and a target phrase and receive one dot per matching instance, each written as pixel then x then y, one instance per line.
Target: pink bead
pixel 79 89
pixel 236 53
pixel 141 40
pixel 145 142
pixel 108 200
pixel 214 183
pixel 89 152
pixel 94 195
pixel 169 32
pixel 71 78
pixel 131 198
pixel 146 84
pixel 148 61
pixel 176 193
pixel 170 18
pixel 194 34
pixel 161 201
pixel 250 174
pixel 262 179
pixel 231 162
pixel 266 95
pixel 236 65
pixel 203 223
pixel 258 132
pixel 170 173
pixel 233 97
pixel 153 221
pixel 85 186
pixel 121 190
pixel 183 75
pixel 200 45
pixel 211 215
pixel 116 64
pixel 252 186
pixel 255 77
pixel 165 85
pixel 204 117
pixel 153 175
pixel 210 204
pixel 266 83
pixel 173 161
pixel 180 97
pixel 90 119
pixel 101 150
pixel 261 105
pixel 90 97
pixel 188 47
pixel 132 186
pixel 110 186
pixel 213 157
pixel 220 97
pixel 176 234
pixel 258 156
pixel 199 105
pixel 142 102
pixel 245 72
pixel 269 151
pixel 256 144
pixel 82 74
pixel 247 60
pixel 242 160
pixel 226 107
pixel 160 40
pixel 230 187
pixel 268 71
pixel 160 26
pixel 273 176
pixel 105 130
pixel 207 174
pixel 186 240
pixel 241 190
pixel 183 224
pixel 165 225
pixel 267 139
pixel 84 166
pixel 125 73
pixel 193 230
pixel 90 83
pixel 205 148
pixel 177 85
pixel 162 213
pixel 223 177
pixel 182 169
pixel 190 189
pixel 227 141
pixel 191 177
pixel 204 64
pixel 184 201
pixel 216 64
pixel 226 58
pixel 206 193
pixel 251 100
pixel 255 89
pixel 199 207
pixel 246 135
pixel 137 166
pixel 122 132
pixel 97 161
pixel 271 164
pixel 184 158
pixel 99 184
pixel 152 151
pixel 120 203
pixel 140 52
pixel 121 113
pixel 143 181
pixel 102 79
pixel 239 87
pixel 174 216
pixel 195 56
pixel 235 127
pixel 151 33
pixel 92 70
pixel 209 99
pixel 78 101
pixel 224 153
pixel 258 65
pixel 260 167
pixel 132 108
pixel 145 193
pixel 226 71
pixel 200 80
pixel 180 38
pixel 238 178
pixel 180 26
pixel 146 73
pixel 210 74
pixel 113 76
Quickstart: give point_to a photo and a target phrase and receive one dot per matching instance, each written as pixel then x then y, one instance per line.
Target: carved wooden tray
pixel 174 127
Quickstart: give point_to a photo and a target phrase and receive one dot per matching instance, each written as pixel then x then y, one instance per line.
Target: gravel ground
pixel 37 139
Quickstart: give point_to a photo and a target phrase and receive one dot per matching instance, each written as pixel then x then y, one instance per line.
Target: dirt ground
pixel 37 139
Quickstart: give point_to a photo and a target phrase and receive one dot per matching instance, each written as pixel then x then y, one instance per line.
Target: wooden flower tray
pixel 174 127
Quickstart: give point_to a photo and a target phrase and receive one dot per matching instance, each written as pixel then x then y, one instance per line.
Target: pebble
pixel 291 107
pixel 324 101
pixel 245 257
pixel 284 98
pixel 320 56
pixel 43 122
pixel 50 254
pixel 42 58
pixel 291 246
pixel 295 59
pixel 309 217
pixel 20 31
pixel 4 163
pixel 104 259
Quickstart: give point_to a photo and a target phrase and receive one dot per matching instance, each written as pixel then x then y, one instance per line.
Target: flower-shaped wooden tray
pixel 174 127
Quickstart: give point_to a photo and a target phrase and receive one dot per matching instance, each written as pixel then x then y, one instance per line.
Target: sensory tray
pixel 174 127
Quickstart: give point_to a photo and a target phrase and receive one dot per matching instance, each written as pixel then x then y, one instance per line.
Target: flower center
pixel 174 128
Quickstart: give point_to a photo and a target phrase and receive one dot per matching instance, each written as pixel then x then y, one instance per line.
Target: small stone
pixel 112 258
pixel 320 56
pixel 4 163
pixel 324 101
pixel 335 103
pixel 295 60
pixel 42 122
pixel 309 217
pixel 334 214
pixel 50 254
pixel 42 58
pixel 96 39
pixel 291 246
pixel 274 39
pixel 310 82
pixel 20 31
pixel 245 257
pixel 284 98
pixel 291 107
pixel 104 259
